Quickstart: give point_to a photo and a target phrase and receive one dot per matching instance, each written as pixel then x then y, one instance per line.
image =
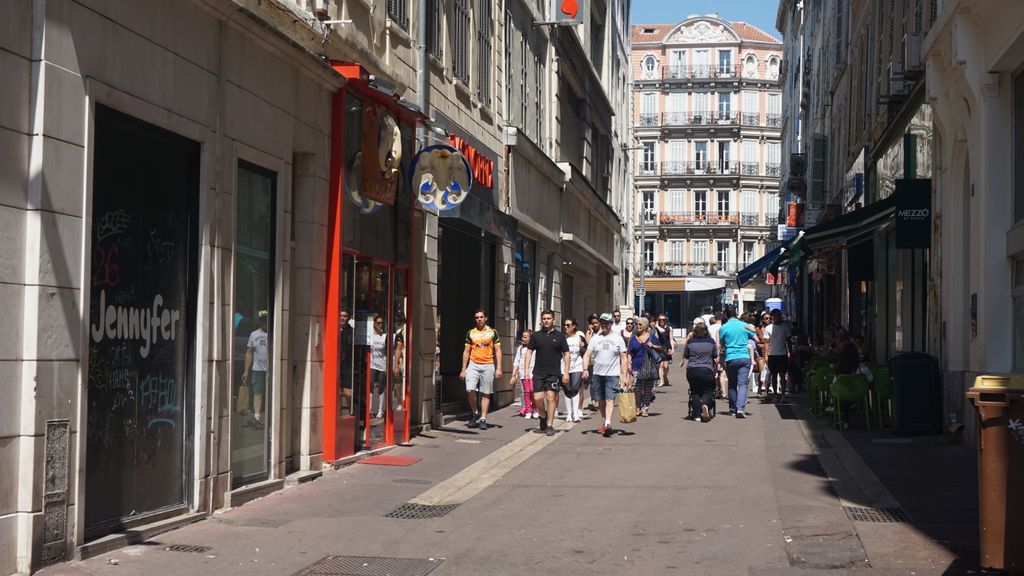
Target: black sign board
pixel 913 214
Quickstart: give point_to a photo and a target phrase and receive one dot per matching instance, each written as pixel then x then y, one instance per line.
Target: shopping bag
pixel 627 406
pixel 242 405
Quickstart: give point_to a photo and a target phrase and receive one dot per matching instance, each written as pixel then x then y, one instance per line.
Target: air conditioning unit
pixel 898 84
pixel 912 52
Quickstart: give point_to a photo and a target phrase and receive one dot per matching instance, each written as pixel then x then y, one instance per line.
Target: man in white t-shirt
pixel 617 325
pixel 705 317
pixel 778 352
pixel 255 371
pixel 607 351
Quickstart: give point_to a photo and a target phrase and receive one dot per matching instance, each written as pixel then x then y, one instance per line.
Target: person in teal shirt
pixel 734 336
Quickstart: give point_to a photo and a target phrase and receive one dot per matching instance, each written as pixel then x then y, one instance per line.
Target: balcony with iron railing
pixel 698 218
pixel 647 168
pixel 750 168
pixel 773 120
pixel 699 168
pixel 749 219
pixel 771 220
pixel 679 269
pixel 773 169
pixel 648 120
pixel 700 118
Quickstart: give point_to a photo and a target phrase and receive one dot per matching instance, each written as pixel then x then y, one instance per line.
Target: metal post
pixel 643 250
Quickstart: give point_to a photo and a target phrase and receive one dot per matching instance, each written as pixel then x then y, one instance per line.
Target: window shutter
pixel 435 38
pixel 398 12
pixel 483 36
pixel 460 42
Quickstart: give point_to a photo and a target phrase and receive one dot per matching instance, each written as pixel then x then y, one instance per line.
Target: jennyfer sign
pixel 913 214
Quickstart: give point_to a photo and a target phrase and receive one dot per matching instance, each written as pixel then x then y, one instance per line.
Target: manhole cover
pixel 369 566
pixel 410 511
pixel 876 514
pixel 194 548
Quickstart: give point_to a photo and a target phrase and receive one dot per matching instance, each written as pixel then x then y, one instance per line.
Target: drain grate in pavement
pixel 193 548
pixel 411 511
pixel 369 566
pixel 876 514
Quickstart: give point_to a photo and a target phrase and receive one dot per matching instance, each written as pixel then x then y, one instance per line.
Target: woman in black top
pixel 700 354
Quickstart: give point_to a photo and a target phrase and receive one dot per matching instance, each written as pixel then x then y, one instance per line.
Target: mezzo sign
pixel 913 214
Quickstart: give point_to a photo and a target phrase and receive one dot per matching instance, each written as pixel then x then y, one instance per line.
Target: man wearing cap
pixel 255 372
pixel 608 352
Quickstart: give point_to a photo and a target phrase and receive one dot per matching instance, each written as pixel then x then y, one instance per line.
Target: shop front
pixel 367 327
pixel 141 323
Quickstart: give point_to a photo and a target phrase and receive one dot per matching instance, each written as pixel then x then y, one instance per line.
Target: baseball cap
pixel 606 317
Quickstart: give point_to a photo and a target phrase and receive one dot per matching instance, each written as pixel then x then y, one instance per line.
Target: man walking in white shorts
pixel 481 364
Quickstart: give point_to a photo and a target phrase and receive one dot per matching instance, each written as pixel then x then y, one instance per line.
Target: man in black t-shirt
pixel 550 368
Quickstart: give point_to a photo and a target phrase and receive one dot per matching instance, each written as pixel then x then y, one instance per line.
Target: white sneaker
pixel 535 416
pixel 568 418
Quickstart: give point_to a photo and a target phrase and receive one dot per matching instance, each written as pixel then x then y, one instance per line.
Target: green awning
pixel 852 225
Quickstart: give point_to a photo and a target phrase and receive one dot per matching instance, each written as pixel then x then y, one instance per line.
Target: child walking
pixel 524 374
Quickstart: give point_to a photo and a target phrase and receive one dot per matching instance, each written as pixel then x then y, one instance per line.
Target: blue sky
pixel 760 13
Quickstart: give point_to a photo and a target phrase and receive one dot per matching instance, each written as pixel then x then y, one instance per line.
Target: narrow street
pixel 663 495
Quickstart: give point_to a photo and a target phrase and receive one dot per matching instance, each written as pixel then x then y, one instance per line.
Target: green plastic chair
pixel 851 388
pixel 882 393
pixel 818 390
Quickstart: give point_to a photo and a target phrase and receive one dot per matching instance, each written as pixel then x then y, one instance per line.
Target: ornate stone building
pixel 707 115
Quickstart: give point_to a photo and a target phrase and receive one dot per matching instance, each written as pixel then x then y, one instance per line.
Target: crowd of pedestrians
pixel 724 355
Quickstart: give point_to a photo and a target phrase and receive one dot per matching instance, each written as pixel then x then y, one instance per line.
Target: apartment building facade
pixel 707 118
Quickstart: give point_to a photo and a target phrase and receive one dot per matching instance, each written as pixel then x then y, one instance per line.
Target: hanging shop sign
pixel 795 215
pixel 569 12
pixel 480 165
pixel 913 214
pixel 441 176
pixel 372 173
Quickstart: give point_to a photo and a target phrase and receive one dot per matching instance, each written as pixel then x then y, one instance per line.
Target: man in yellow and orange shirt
pixel 481 365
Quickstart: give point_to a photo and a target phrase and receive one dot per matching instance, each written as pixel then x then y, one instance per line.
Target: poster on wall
pixel 142 284
pixel 913 214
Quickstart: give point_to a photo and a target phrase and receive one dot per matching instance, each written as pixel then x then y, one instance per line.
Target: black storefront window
pixel 141 320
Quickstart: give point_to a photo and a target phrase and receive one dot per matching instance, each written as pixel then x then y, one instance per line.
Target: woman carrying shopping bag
pixel 647 353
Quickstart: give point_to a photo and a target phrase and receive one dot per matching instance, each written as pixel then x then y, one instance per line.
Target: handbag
pixel 242 405
pixel 649 367
pixel 627 407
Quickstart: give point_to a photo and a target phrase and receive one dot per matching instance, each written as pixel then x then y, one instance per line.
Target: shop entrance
pixel 373 394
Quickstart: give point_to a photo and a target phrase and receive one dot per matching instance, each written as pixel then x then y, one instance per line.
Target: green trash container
pixel 999 401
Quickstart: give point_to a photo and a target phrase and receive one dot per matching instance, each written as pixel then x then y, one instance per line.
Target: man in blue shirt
pixel 734 336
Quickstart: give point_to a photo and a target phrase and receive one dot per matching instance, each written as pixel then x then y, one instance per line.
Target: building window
pixel 483 39
pixel 724 63
pixel 677 251
pixel 700 204
pixel 748 208
pixel 748 253
pixel 750 66
pixel 509 116
pixel 648 207
pixel 650 64
pixel 1018 147
pixel 700 156
pixel 724 156
pixel 699 251
pixel 398 12
pixel 648 162
pixel 675 201
pixel 435 32
pixel 648 254
pixel 723 204
pixel 460 42
pixel 722 257
pixel 724 106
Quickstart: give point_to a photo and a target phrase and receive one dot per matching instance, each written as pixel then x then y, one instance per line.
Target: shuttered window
pixel 460 42
pixel 398 12
pixel 435 32
pixel 483 38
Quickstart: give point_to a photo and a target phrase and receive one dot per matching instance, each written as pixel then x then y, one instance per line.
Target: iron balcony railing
pixel 749 219
pixel 648 119
pixel 708 72
pixel 700 118
pixel 773 120
pixel 771 221
pixel 648 169
pixel 699 168
pixel 677 269
pixel 698 218
pixel 750 168
pixel 750 118
pixel 773 169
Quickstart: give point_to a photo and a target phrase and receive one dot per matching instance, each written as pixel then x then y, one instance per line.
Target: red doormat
pixel 385 460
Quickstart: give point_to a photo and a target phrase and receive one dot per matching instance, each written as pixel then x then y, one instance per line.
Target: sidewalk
pixel 760 496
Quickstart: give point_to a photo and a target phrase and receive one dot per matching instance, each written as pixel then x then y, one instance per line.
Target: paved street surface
pixel 761 496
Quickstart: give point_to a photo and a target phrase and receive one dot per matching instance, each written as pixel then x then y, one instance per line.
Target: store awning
pixel 853 225
pixel 757 267
pixel 793 253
